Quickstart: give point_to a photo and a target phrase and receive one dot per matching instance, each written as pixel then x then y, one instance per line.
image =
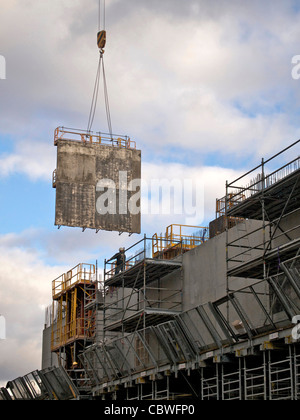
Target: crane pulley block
pixel 101 39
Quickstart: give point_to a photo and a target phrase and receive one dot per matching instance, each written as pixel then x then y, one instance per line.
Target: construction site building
pixel 211 315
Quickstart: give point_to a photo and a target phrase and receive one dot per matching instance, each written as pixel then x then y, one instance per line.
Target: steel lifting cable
pixel 99 15
pixel 108 117
pixel 96 86
pixel 95 98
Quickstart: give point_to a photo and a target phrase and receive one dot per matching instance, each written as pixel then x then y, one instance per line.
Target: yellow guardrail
pixel 177 235
pixel 82 273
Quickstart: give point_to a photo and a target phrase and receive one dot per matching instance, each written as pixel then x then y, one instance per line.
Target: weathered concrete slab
pixel 97 186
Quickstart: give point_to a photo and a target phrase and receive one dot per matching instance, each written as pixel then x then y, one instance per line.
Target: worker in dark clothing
pixel 120 258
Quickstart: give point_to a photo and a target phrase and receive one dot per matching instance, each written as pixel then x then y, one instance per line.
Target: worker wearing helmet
pixel 120 258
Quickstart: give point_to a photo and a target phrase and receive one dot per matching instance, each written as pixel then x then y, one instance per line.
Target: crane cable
pixel 97 82
pixel 95 98
pixel 108 117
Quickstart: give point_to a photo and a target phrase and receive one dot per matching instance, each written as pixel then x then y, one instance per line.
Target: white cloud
pixel 202 81
pixel 179 75
pixel 211 180
pixel 33 159
pixel 25 286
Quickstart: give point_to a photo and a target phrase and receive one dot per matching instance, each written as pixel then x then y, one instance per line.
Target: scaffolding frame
pixel 152 298
pixel 69 296
pixel 140 295
pixel 238 347
pixel 76 300
pixel 269 199
pixel 206 333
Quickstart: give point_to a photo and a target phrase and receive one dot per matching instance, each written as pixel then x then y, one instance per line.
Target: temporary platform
pixel 47 384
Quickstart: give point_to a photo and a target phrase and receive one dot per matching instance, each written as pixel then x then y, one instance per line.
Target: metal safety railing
pixel 47 384
pixel 258 179
pixel 179 236
pixel 120 141
pixel 177 240
pixel 81 273
pixel 63 334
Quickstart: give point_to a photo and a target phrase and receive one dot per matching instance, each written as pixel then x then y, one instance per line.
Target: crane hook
pixel 101 40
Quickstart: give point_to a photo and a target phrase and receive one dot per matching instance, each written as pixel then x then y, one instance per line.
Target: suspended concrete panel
pixel 97 186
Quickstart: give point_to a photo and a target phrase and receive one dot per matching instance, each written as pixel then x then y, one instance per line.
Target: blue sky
pixel 204 88
pixel 26 204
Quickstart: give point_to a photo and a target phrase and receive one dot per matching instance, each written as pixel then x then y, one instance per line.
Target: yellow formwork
pixel 178 237
pixel 82 273
pixel 68 323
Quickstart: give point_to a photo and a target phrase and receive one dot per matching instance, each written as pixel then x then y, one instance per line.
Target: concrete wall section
pixel 204 271
pixel 287 230
pixel 94 187
pixel 204 267
pixel 49 359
